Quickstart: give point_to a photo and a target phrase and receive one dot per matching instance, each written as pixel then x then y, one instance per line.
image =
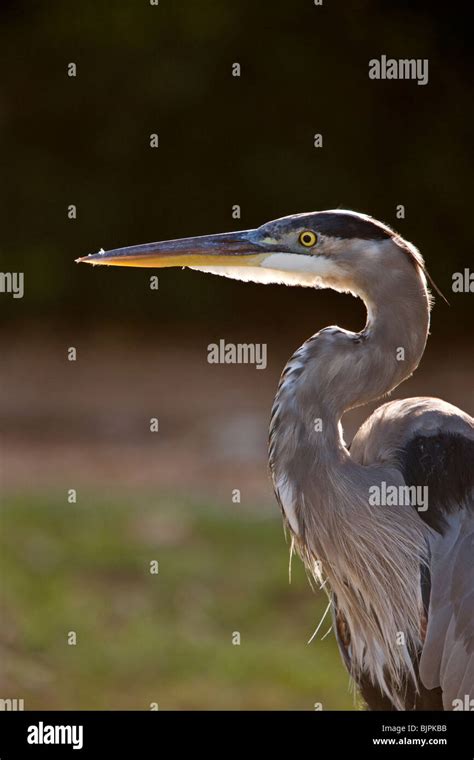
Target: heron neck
pixel 336 370
pixel 398 316
pixel 384 354
pixel 392 341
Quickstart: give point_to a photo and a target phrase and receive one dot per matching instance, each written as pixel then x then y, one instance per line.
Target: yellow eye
pixel 308 238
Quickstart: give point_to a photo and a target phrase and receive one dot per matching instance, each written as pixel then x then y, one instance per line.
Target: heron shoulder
pixel 394 424
pixel 432 443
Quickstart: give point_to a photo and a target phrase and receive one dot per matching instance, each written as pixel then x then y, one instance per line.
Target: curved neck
pixel 398 318
pixel 324 493
pixel 337 370
pixel 394 338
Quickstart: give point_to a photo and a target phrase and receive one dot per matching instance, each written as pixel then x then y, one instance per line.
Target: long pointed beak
pixel 227 249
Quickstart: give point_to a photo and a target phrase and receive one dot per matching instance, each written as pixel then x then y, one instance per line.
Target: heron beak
pixel 227 249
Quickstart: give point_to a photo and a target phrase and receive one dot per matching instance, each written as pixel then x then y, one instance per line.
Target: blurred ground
pixel 163 638
pixel 163 496
pixel 87 422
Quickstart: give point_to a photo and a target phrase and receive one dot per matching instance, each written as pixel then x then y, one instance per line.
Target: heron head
pixel 336 249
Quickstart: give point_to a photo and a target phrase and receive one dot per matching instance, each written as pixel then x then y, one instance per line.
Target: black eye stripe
pixel 347 226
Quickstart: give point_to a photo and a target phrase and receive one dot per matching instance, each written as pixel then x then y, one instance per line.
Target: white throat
pixel 287 269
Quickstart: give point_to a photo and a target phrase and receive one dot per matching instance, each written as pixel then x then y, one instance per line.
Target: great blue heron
pixel 399 571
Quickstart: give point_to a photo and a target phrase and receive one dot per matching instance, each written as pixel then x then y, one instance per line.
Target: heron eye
pixel 308 238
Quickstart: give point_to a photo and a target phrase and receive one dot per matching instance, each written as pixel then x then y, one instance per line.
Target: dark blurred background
pixel 142 353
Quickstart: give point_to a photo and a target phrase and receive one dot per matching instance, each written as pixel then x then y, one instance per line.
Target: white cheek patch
pixel 311 266
pixel 314 271
pixel 286 269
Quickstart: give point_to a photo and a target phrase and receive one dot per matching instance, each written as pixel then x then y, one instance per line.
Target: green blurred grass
pixel 165 638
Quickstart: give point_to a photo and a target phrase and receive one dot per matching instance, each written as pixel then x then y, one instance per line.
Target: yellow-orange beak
pixel 227 249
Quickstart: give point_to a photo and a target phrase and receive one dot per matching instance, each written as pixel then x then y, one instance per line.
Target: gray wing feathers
pixel 448 654
pixel 447 659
